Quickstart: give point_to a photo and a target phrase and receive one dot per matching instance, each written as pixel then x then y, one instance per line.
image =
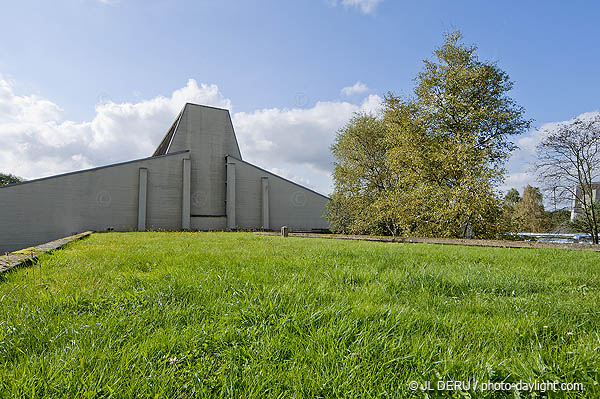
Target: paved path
pixel 27 255
pixel 448 241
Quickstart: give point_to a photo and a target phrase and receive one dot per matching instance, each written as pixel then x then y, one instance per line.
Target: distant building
pixel 577 206
pixel 196 179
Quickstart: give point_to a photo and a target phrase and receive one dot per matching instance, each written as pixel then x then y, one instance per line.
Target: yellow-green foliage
pixel 529 214
pixel 434 159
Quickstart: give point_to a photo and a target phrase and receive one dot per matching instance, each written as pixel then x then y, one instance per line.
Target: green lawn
pixel 239 315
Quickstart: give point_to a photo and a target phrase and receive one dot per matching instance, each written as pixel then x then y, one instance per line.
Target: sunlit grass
pixel 239 315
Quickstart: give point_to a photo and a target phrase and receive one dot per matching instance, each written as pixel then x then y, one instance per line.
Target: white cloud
pixel 38 142
pixel 298 136
pixel 296 141
pixel 365 6
pixel 373 104
pixel 357 88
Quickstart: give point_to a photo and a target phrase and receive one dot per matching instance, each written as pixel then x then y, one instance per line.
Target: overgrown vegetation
pixel 429 164
pixel 239 315
pixel 527 213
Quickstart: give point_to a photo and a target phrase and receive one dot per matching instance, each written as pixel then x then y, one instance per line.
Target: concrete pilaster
pixel 265 202
pixel 230 195
pixel 142 199
pixel 185 206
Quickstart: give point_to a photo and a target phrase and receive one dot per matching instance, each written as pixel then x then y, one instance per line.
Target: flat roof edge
pixel 95 168
pixel 207 106
pixel 281 177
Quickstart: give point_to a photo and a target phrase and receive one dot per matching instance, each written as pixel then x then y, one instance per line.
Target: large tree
pixel 509 201
pixel 569 162
pixel 529 214
pixel 440 151
pixel 449 142
pixel 512 197
pixel 362 177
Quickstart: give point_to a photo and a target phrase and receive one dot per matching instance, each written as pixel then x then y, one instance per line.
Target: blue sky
pixel 80 70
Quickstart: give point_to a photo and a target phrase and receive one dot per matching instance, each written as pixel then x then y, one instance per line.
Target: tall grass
pixel 238 315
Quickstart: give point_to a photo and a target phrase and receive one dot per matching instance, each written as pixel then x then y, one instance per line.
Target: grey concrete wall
pixel 208 133
pixel 289 204
pixel 42 210
pixel 179 195
pixel 576 205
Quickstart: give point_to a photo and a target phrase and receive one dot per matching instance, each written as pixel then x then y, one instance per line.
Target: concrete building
pixel 196 179
pixel 577 206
